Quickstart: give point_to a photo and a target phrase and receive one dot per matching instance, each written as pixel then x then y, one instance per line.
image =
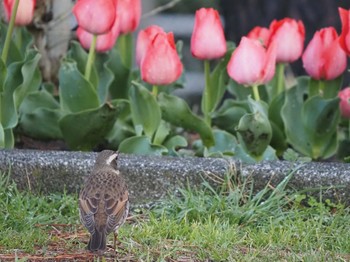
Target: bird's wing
pixel 116 209
pixel 88 208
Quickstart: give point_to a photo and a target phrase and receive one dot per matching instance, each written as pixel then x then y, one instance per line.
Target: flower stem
pixel 5 50
pixel 155 90
pixel 280 78
pixel 256 92
pixel 321 86
pixel 125 48
pixel 91 57
pixel 205 102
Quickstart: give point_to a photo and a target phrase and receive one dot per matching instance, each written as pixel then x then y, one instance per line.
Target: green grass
pixel 229 223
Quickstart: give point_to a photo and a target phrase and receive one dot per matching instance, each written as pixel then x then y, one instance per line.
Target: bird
pixel 103 201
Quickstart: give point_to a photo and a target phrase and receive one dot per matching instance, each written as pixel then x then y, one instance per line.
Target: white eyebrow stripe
pixel 111 158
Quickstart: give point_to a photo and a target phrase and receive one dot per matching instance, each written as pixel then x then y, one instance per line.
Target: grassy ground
pixel 227 224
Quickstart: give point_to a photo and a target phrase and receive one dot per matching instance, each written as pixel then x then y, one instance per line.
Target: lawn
pixel 228 223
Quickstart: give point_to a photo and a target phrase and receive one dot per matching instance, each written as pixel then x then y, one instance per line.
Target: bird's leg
pixel 115 237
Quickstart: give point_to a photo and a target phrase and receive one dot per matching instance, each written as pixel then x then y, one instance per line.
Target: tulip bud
pixel 161 64
pixel 323 58
pixel 251 63
pixel 25 11
pixel 144 38
pixel 208 39
pixel 289 36
pixel 344 104
pixel 345 33
pixel 129 14
pixel 95 16
pixel 262 34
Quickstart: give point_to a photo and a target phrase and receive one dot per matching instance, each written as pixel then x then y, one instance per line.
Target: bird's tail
pixel 97 241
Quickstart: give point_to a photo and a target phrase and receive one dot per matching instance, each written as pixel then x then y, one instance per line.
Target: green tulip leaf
pixel 85 129
pixel 38 99
pixel 76 93
pixel 106 76
pixel 320 118
pixel 41 123
pixel 2 137
pixel 39 115
pixel 244 155
pixel 119 88
pixel 141 145
pixel 254 129
pixel 22 78
pixel 291 115
pixel 3 73
pixel 225 145
pixel 228 115
pixel 80 56
pixel 176 111
pixel 173 143
pixel 162 132
pixel 31 77
pixel 145 111
pixel 123 127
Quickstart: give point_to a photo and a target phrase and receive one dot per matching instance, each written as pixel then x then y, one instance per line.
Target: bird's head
pixel 107 158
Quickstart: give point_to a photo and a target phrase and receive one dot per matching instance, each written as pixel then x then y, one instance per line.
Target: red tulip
pixel 208 39
pixel 129 14
pixel 144 38
pixel 289 36
pixel 25 11
pixel 161 64
pixel 251 63
pixel 345 34
pixel 344 104
pixel 323 58
pixel 262 34
pixel 95 16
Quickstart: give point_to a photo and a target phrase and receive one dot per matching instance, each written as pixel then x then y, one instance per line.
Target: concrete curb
pixel 150 178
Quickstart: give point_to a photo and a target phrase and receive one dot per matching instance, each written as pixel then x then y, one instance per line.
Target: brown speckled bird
pixel 103 201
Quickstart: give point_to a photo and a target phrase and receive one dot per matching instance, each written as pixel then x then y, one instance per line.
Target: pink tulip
pixel 344 104
pixel 161 64
pixel 262 34
pixel 251 63
pixel 345 34
pixel 129 14
pixel 104 42
pixel 25 11
pixel 208 39
pixel 289 36
pixel 144 38
pixel 95 16
pixel 323 58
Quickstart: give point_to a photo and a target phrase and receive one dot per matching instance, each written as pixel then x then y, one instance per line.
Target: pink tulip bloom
pixel 323 58
pixel 345 34
pixel 95 16
pixel 161 64
pixel 129 14
pixel 344 104
pixel 262 34
pixel 104 42
pixel 25 11
pixel 208 39
pixel 251 63
pixel 289 36
pixel 144 38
